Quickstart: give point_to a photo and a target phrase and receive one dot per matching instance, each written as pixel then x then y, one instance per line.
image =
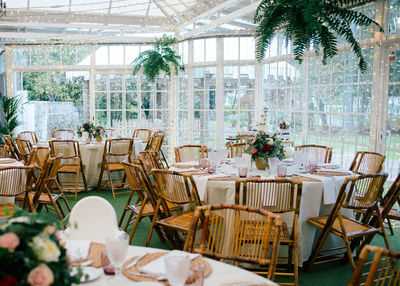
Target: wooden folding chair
pixel 236 149
pixel 280 196
pixel 64 134
pixel 376 266
pixel 25 149
pixel 28 135
pixel 142 134
pixel 115 151
pixel 188 153
pixel 356 193
pixel 236 233
pixel 155 144
pixel 71 164
pixel 367 163
pixel 13 149
pixel 145 202
pixel 318 153
pixel 4 151
pixel 43 196
pixel 15 181
pixel 178 189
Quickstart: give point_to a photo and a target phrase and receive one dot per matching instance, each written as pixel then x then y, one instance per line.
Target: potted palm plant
pixel 9 107
pixel 161 58
pixel 311 24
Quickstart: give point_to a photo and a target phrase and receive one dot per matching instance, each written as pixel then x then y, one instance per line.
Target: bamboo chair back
pixel 4 151
pixel 42 154
pixel 187 153
pixel 364 191
pixel 65 134
pixel 142 134
pixel 318 153
pixel 13 148
pixel 118 150
pixel 146 161
pixel 159 164
pixel 25 149
pixel 175 187
pixel 71 154
pixel 29 135
pixel 238 233
pixel 236 149
pixel 154 143
pixel 14 180
pixel 275 195
pixel 159 132
pixel 367 163
pixel 376 266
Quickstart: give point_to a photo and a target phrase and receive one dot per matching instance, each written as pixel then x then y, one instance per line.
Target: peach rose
pixel 253 141
pixel 50 229
pixel 9 240
pixel 41 276
pixel 254 150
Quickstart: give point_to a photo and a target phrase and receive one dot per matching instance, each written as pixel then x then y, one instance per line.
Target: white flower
pixel 82 129
pixel 270 141
pixel 45 248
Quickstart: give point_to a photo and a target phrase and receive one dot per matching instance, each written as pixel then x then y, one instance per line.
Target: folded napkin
pixel 189 164
pixel 184 169
pixel 157 266
pixel 328 166
pixel 78 249
pixel 329 187
pixel 201 184
pixel 337 172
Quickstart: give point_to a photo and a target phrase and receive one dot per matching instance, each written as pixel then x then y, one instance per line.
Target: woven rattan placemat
pixel 153 256
pixel 95 254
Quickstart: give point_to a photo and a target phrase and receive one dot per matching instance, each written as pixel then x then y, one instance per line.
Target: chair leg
pixel 128 221
pixel 76 184
pixel 316 250
pixel 153 221
pixel 100 179
pixel 111 184
pixel 83 178
pixel 390 226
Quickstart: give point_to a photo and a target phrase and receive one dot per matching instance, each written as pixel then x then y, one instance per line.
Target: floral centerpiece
pixel 98 132
pixel 262 147
pixel 31 254
pixel 86 127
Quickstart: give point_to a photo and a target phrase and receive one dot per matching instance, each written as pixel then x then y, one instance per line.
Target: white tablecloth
pixel 221 272
pixel 92 156
pixel 313 203
pixel 5 200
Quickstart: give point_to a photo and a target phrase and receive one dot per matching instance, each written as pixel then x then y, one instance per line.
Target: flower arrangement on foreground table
pixel 264 146
pixel 31 254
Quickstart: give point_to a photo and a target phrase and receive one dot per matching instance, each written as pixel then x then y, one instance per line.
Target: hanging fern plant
pixel 161 58
pixel 311 23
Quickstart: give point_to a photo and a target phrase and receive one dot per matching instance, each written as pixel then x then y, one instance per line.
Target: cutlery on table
pixel 136 261
pixel 155 276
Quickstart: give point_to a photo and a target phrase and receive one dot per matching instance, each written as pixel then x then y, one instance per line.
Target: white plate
pixel 89 273
pixel 147 283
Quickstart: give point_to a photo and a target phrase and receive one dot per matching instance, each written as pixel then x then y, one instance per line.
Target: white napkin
pixel 201 184
pixel 158 266
pixel 329 187
pixel 329 166
pixel 78 249
pixel 184 170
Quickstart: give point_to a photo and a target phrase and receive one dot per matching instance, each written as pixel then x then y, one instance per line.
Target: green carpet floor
pixel 326 274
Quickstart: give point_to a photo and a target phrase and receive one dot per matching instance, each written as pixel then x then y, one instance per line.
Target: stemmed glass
pixel 117 248
pixel 177 268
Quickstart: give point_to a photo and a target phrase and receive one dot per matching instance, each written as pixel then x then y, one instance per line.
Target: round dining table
pixel 8 162
pixel 221 273
pixel 319 194
pixel 92 156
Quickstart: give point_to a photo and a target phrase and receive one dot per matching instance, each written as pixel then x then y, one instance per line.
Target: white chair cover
pixel 92 218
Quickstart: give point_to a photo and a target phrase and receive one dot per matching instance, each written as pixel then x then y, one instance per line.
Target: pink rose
pixel 278 152
pixel 101 131
pixel 253 151
pixel 253 141
pixel 94 132
pixel 247 147
pixel 50 229
pixel 41 276
pixel 9 240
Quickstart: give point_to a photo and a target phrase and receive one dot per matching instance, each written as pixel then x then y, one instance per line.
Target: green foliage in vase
pixel 161 58
pixel 311 24
pixel 10 107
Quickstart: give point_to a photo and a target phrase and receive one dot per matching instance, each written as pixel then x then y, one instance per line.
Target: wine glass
pixel 177 268
pixel 117 248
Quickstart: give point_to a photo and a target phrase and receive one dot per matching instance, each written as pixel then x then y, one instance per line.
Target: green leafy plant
pixel 311 23
pixel 10 107
pixel 30 251
pixel 264 146
pixel 161 58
